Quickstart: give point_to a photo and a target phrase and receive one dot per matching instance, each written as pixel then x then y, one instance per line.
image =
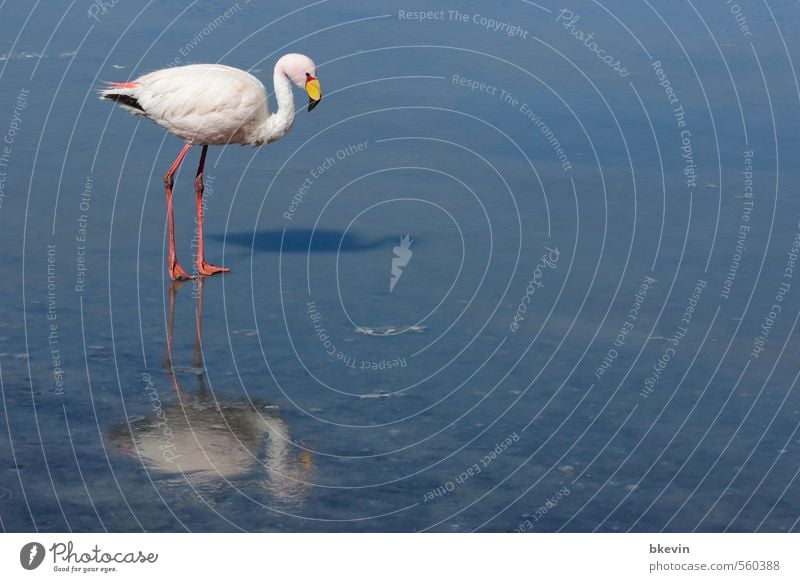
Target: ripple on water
pixel 388 330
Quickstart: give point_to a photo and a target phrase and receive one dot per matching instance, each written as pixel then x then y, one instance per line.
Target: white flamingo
pixel 214 105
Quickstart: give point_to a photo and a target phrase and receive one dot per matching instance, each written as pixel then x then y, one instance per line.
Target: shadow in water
pixel 208 442
pixel 301 240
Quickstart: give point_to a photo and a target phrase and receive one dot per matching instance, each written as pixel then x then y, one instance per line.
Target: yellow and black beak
pixel 314 91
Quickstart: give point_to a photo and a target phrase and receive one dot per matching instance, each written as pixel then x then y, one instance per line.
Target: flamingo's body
pixel 214 105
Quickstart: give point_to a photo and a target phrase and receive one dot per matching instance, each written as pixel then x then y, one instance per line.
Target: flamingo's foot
pixel 207 270
pixel 176 272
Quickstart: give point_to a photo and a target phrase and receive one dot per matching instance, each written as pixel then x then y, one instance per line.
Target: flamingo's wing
pixel 208 104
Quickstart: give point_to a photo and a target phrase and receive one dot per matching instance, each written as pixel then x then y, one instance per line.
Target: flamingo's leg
pixel 176 272
pixel 202 267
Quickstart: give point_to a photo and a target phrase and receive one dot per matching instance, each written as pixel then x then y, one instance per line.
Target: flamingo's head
pixel 303 73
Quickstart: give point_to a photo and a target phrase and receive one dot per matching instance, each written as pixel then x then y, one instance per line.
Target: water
pixel 579 334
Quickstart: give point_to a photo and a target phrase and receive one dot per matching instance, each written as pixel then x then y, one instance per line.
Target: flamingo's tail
pixel 124 95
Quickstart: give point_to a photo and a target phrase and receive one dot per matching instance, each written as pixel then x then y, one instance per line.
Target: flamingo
pixel 209 104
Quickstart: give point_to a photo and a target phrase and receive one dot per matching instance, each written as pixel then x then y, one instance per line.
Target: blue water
pixel 593 320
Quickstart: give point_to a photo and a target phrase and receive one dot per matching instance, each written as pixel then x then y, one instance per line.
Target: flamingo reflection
pixel 209 442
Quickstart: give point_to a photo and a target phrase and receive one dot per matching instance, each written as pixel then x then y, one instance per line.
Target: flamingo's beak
pixel 314 91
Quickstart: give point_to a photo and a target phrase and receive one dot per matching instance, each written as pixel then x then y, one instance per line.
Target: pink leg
pixel 202 267
pixel 176 272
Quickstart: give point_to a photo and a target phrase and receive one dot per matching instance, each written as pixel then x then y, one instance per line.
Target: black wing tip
pixel 126 100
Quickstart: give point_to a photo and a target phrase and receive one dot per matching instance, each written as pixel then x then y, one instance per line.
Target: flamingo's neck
pixel 279 123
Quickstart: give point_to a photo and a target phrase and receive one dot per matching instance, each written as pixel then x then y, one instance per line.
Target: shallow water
pixel 590 326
